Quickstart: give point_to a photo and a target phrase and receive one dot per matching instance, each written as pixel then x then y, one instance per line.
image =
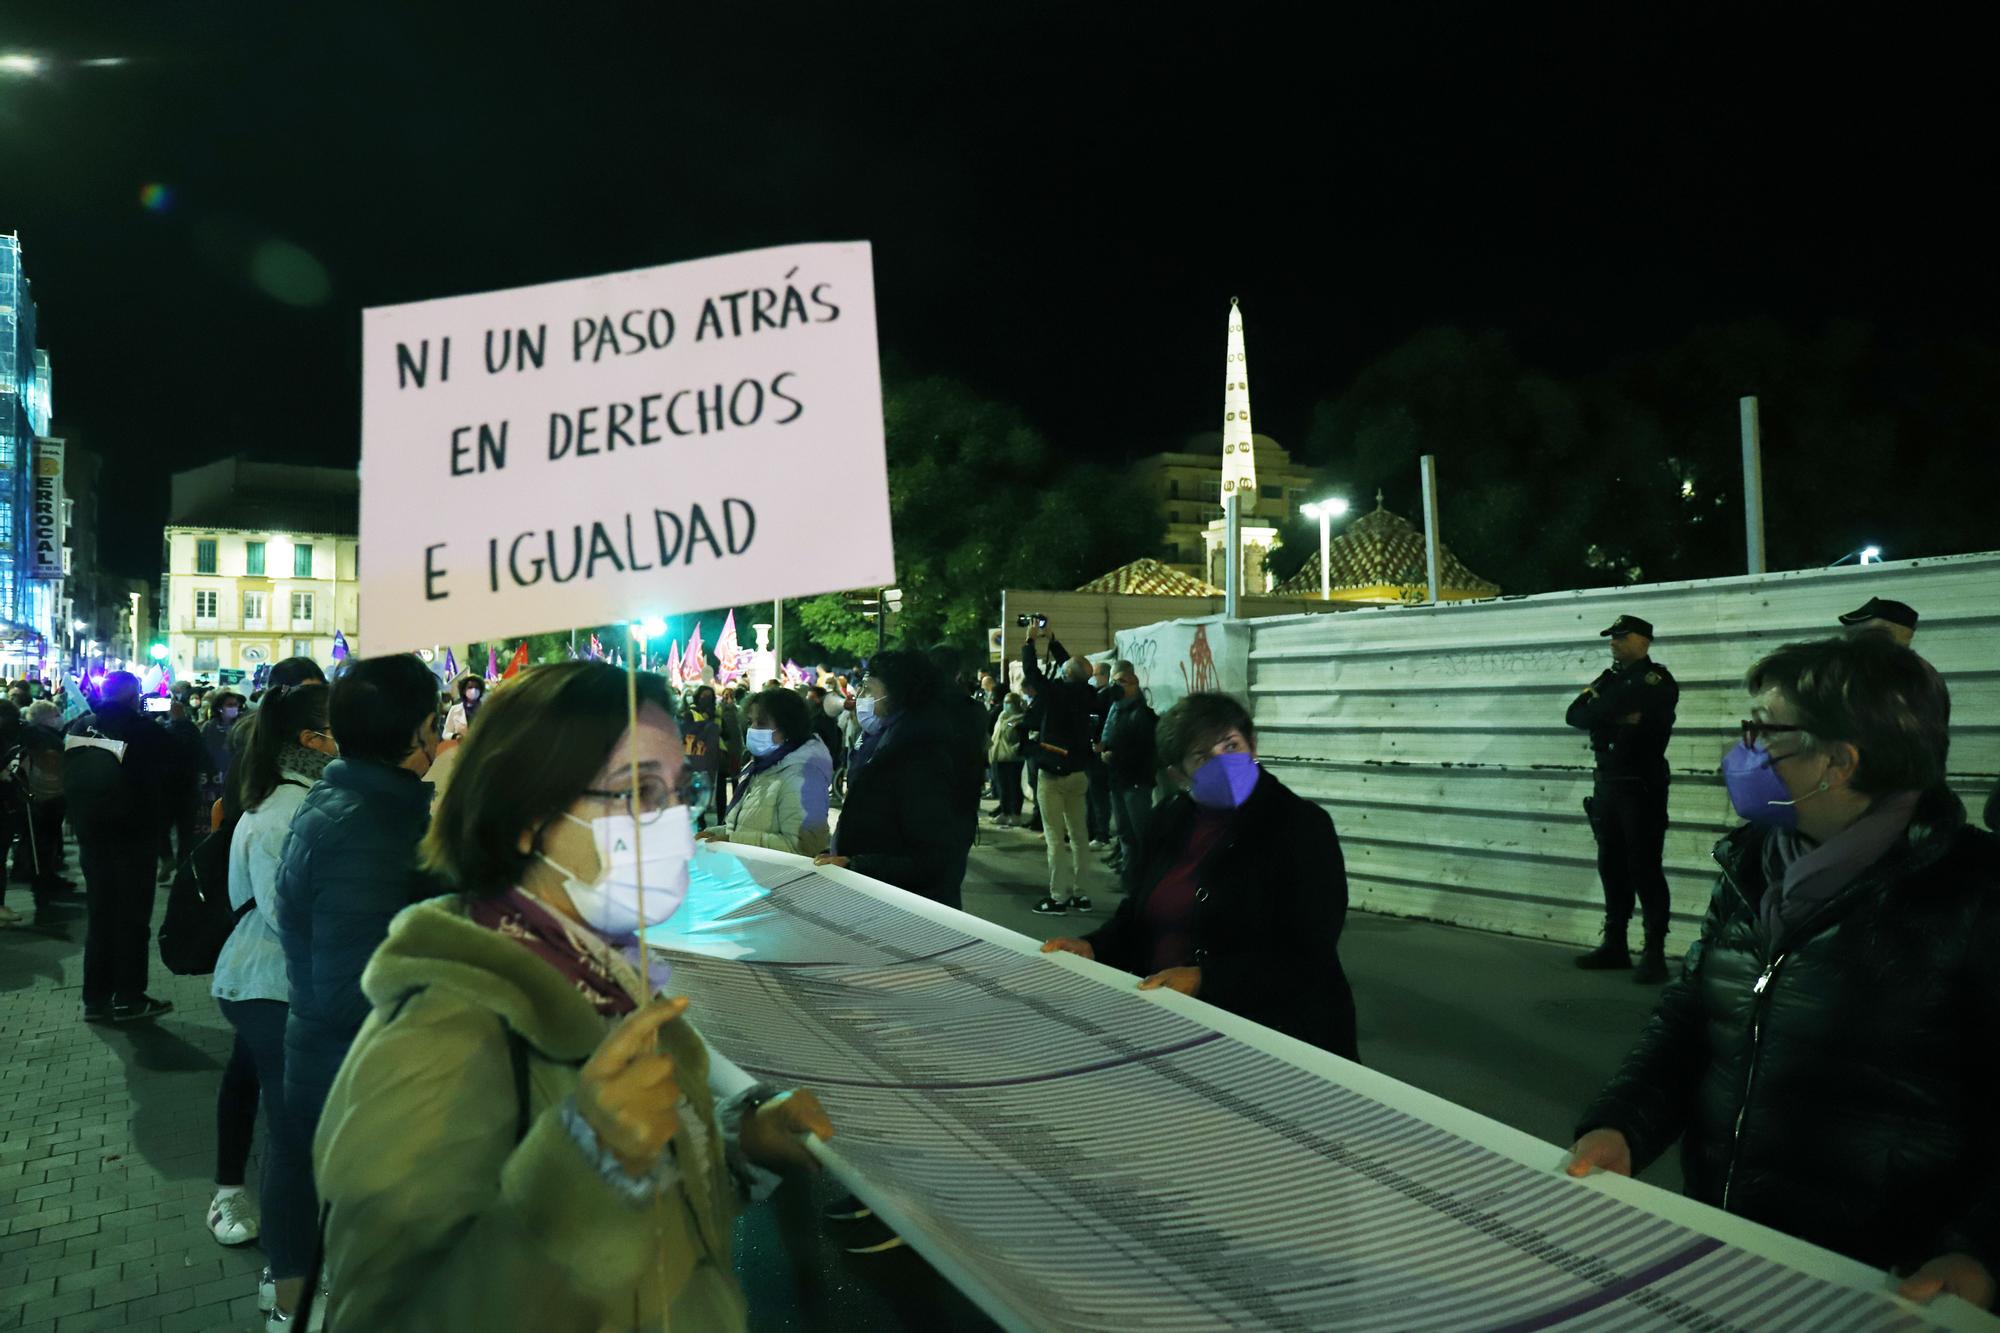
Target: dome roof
pixel 1149 578
pixel 1384 551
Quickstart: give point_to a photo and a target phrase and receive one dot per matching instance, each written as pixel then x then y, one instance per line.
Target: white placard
pixel 671 439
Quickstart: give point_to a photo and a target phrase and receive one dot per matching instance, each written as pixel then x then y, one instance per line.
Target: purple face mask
pixel 1225 781
pixel 1756 790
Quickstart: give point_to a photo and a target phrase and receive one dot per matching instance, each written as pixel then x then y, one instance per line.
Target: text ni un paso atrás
pixel 639 540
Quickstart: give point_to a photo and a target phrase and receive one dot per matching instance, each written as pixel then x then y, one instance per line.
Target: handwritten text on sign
pixel 698 435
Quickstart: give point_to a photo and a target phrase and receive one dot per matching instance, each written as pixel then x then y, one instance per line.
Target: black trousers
pixel 1629 817
pixel 1097 803
pixel 118 887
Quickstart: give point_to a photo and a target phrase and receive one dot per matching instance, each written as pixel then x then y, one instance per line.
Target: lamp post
pixel 1325 511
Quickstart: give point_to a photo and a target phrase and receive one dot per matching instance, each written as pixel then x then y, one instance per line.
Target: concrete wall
pixel 1435 735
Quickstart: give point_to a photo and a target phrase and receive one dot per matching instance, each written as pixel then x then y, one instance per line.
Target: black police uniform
pixel 1628 802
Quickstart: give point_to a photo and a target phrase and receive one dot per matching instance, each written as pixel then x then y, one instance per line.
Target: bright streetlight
pixel 1871 555
pixel 1325 511
pixel 651 627
pixel 24 64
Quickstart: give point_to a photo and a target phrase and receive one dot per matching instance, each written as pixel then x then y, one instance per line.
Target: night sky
pixel 1061 201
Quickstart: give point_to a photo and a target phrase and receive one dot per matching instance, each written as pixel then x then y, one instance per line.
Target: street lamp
pixel 1870 555
pixel 1325 511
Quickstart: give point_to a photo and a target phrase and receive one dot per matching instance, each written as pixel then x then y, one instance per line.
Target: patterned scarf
pixel 597 970
pixel 295 760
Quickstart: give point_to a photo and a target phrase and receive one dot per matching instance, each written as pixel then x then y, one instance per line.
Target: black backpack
pixel 95 790
pixel 199 918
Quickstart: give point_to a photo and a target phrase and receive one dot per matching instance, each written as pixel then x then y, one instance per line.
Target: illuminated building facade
pixel 30 606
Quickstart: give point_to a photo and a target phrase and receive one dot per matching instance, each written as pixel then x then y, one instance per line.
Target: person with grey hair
pixel 38 770
pixel 1062 754
pixel 1825 1057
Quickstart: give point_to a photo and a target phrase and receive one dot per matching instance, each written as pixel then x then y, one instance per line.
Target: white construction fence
pixel 1434 735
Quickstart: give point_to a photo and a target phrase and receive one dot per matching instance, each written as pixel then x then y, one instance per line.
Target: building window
pixel 1170 554
pixel 302 560
pixel 302 610
pixel 1211 491
pixel 1295 494
pixel 253 557
pixel 1271 492
pixel 253 609
pixel 1173 490
pixel 205 600
pixel 1173 516
pixel 204 655
pixel 204 555
pixel 302 647
pixel 1209 513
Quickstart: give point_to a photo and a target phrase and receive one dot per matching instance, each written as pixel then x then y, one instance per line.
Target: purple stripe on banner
pixel 868 966
pixel 817 1081
pixel 1617 1291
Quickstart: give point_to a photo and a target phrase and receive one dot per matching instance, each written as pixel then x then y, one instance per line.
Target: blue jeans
pixel 285 1193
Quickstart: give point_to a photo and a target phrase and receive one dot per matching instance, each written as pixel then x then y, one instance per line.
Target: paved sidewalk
pixel 107 1151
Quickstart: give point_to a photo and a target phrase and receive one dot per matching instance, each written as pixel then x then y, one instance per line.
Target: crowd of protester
pixel 480 1112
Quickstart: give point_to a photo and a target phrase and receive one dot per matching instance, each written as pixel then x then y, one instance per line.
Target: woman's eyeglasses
pixel 1756 733
pixel 657 796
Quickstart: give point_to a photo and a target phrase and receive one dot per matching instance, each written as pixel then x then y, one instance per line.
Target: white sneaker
pixel 9 917
pixel 233 1218
pixel 267 1293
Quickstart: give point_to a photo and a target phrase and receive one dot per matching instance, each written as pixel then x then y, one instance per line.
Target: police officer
pixel 1878 615
pixel 1629 713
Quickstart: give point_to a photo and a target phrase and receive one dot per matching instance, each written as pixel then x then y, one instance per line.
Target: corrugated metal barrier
pixel 1435 735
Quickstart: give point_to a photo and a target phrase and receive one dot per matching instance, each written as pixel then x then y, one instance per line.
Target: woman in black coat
pixel 1239 892
pixel 913 782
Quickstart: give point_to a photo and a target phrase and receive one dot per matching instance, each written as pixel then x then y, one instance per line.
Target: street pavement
pixel 107 1133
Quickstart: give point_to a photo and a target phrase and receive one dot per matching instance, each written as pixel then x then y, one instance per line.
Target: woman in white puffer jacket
pixel 781 795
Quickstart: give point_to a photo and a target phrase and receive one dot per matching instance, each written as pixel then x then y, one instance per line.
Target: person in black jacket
pixel 1062 707
pixel 1239 893
pixel 1826 1056
pixel 1629 712
pixel 1127 750
pixel 120 811
pixel 912 783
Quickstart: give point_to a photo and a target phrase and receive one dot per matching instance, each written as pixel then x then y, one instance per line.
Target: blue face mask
pixel 760 741
pixel 1756 790
pixel 1225 781
pixel 864 714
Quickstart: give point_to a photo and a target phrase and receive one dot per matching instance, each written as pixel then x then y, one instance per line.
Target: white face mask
pixel 609 904
pixel 760 741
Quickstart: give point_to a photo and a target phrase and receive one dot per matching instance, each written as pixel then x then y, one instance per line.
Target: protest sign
pixel 696 435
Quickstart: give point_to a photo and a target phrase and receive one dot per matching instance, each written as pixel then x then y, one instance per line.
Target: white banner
pixel 643 443
pixel 1074 1153
pixel 45 519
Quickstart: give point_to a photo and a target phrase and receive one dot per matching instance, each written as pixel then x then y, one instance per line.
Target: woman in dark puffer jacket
pixel 1826 1058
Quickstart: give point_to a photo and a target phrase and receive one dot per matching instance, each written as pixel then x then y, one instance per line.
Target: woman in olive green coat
pixel 519 1137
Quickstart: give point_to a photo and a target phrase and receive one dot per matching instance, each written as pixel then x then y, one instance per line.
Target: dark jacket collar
pixel 369 778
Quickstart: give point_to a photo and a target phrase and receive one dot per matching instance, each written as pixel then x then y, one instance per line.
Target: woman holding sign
pixel 523 1135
